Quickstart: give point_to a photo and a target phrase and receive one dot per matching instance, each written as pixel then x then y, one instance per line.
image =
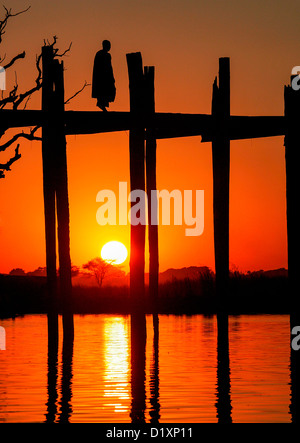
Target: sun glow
pixel 114 251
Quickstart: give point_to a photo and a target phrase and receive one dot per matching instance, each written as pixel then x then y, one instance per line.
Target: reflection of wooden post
pixel 52 377
pixel 221 165
pixel 151 186
pixel 138 367
pixel 62 203
pixel 292 144
pixel 223 403
pixel 49 190
pixel 66 381
pixel 154 374
pixel 137 175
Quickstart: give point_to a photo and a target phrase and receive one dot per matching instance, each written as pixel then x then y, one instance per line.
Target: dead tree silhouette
pixel 13 98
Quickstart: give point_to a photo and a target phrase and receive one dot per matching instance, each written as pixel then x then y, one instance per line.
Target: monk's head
pixel 106 45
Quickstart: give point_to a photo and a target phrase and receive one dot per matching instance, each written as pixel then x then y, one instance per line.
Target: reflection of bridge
pixel 146 126
pixel 149 395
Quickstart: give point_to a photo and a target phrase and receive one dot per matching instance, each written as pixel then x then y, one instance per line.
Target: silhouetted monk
pixel 103 88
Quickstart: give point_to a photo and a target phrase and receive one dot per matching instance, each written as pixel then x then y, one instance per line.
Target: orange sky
pixel 183 39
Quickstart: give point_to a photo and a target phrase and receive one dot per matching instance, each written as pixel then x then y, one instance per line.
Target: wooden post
pixel 151 186
pixel 292 144
pixel 49 191
pixel 137 176
pixel 62 203
pixel 56 194
pixel 221 169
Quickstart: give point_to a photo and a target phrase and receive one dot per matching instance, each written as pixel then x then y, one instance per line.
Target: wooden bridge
pixel 145 127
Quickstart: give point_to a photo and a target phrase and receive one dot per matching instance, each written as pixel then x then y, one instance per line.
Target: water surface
pixel 178 374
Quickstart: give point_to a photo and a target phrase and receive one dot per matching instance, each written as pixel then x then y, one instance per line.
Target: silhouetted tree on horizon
pixel 100 269
pixel 41 271
pixel 17 271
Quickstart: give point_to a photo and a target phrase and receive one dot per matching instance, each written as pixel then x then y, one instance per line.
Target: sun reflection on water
pixel 117 363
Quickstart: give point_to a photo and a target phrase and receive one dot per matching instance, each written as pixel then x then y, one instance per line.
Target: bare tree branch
pixel 8 14
pixel 47 43
pixel 31 136
pixel 21 55
pixel 26 94
pixel 38 67
pixel 25 104
pixel 15 99
pixel 78 92
pixel 2 58
pixel 6 166
pixel 56 54
pixel 55 50
pixel 11 97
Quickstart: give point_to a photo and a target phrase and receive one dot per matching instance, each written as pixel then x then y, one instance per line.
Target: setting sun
pixel 114 251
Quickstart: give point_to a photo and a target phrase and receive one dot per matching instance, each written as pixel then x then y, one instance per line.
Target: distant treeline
pixel 257 292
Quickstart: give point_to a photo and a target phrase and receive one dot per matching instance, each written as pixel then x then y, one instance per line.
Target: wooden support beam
pixel 167 125
pixel 62 203
pixel 137 176
pixel 11 118
pixel 243 127
pixel 221 170
pixel 96 122
pixel 172 125
pixel 151 186
pixel 49 169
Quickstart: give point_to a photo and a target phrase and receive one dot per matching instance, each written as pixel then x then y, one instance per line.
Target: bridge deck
pixel 167 125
